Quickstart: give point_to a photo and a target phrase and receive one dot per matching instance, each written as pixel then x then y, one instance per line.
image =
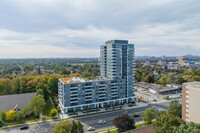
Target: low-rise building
pixel 190 102
pixel 15 102
pixel 191 64
pixel 77 94
pixel 158 89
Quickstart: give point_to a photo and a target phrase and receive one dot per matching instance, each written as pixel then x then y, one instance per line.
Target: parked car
pixel 155 100
pixel 101 122
pixel 71 113
pixel 91 128
pixel 130 104
pixel 136 115
pixel 24 127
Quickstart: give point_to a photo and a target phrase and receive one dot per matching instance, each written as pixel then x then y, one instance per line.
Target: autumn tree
pixel 11 115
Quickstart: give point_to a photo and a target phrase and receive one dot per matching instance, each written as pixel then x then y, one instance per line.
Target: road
pixel 109 117
pixel 91 120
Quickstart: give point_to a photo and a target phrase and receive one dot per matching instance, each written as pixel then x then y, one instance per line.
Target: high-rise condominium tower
pixel 117 62
pixel 115 86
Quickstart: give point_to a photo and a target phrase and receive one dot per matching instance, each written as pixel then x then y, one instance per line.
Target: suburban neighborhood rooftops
pixel 11 102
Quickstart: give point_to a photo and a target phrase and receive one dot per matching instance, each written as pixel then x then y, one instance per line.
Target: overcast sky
pixel 76 28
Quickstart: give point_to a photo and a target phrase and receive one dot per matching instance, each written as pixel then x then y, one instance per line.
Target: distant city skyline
pixel 60 28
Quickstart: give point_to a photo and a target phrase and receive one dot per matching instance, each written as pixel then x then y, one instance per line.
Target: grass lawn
pixel 139 125
pixel 114 131
pixel 25 120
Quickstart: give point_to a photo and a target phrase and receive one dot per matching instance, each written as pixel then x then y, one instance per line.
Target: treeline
pixel 30 83
pixel 25 66
pixel 87 70
pixel 163 76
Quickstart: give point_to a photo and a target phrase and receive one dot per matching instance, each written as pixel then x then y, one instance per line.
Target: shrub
pixel 53 112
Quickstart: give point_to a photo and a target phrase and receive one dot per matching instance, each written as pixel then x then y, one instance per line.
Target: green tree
pixel 74 127
pixel 166 123
pixel 80 127
pixel 53 84
pixel 40 92
pixel 44 88
pixel 53 112
pixel 87 109
pixel 20 116
pixel 106 107
pixel 124 123
pixel 175 108
pixel 62 127
pixel 187 128
pixel 161 112
pixel 149 115
pixel 97 109
pixel 37 104
pixel 68 127
pixel 59 109
pixel 3 115
pixel 1 123
pixel 179 79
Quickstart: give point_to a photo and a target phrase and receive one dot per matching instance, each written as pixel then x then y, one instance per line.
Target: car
pixel 91 128
pixel 71 113
pixel 155 100
pixel 101 122
pixel 24 127
pixel 126 112
pixel 130 104
pixel 136 115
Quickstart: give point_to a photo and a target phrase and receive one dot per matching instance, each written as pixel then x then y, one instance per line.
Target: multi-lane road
pixel 92 120
pixel 109 117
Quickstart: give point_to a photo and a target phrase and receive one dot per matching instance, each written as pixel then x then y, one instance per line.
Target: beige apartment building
pixel 191 102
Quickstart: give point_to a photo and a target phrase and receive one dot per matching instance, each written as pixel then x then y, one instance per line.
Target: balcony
pixel 75 94
pixel 103 94
pixel 102 90
pixel 88 92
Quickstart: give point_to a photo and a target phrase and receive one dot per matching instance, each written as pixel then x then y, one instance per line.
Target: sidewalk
pixel 66 116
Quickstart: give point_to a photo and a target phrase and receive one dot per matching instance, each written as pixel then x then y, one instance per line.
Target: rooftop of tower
pixel 117 41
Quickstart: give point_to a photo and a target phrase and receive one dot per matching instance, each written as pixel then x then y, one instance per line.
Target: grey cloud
pixel 154 26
